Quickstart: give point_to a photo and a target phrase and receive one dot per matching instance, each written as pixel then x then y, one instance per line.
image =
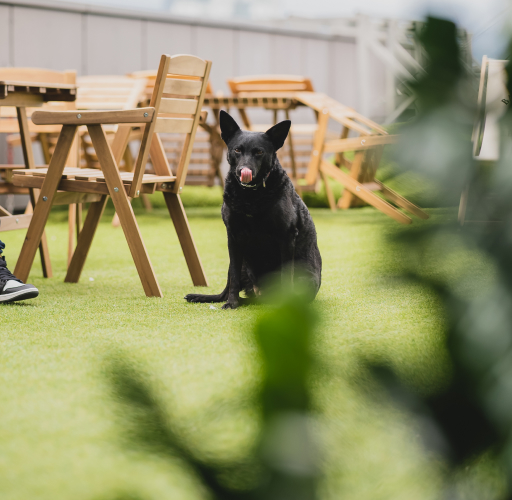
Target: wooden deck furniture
pixel 293 158
pixel 93 93
pixel 9 222
pixel 493 100
pixel 359 182
pixel 175 107
pixel 111 92
pixel 23 88
pixel 108 92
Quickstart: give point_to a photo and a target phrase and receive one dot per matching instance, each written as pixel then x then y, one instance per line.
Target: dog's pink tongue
pixel 246 175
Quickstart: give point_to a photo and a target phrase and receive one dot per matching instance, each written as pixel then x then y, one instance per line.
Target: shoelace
pixel 5 274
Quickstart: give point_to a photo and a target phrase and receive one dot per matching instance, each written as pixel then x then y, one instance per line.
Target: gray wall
pixel 96 41
pixel 99 41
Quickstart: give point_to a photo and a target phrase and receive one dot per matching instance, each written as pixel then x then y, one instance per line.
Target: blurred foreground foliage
pixel 469 418
pixel 284 462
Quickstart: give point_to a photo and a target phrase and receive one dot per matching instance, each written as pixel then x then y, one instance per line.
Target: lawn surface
pixel 59 437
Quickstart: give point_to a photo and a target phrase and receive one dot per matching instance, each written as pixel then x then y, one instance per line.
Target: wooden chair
pixel 493 100
pixel 175 106
pixel 359 182
pixel 10 124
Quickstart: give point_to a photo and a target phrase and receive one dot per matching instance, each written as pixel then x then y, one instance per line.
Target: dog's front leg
pixel 287 248
pixel 235 271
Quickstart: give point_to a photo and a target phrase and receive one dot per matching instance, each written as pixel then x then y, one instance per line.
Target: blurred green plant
pixel 284 463
pixel 470 416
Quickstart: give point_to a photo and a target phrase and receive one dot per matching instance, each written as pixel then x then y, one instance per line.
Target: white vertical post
pixel 363 65
pixel 391 39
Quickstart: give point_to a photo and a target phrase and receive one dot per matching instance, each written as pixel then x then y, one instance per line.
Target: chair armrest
pixel 77 117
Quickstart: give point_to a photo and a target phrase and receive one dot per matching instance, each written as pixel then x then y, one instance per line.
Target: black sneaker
pixel 13 289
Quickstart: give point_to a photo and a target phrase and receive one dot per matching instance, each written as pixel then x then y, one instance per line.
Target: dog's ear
pixel 278 133
pixel 228 126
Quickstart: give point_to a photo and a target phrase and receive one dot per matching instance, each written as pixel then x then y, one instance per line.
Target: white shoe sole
pixel 27 293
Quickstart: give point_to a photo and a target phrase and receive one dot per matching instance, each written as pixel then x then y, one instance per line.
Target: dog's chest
pixel 251 225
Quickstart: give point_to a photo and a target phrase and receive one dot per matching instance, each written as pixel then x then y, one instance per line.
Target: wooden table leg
pixel 292 158
pixel 28 155
pixel 347 197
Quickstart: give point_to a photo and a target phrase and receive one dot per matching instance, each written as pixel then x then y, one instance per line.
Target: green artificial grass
pixel 59 436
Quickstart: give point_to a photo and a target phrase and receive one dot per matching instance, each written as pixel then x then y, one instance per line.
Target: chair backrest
pixel 493 99
pixel 149 77
pixel 178 94
pixel 274 84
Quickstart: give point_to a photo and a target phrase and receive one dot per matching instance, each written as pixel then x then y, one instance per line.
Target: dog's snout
pixel 241 167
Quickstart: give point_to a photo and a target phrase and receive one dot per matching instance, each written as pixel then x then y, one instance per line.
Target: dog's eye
pixel 260 152
pixel 237 151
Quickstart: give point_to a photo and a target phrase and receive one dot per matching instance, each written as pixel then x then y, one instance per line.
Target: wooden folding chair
pixel 175 106
pixel 360 182
pixel 493 100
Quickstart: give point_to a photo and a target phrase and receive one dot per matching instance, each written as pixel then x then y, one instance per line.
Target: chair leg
pixel 463 205
pixel 179 218
pixel 71 230
pixel 357 189
pixel 44 203
pixel 328 192
pixel 125 211
pixel 401 201
pixel 85 239
pixel 115 221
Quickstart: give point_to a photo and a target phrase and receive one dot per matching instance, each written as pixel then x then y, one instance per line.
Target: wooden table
pixel 285 102
pixel 21 95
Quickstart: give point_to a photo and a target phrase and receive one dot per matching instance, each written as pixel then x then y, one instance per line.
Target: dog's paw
pixel 230 305
pixel 192 297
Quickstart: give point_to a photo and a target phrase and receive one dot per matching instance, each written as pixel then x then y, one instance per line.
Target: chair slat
pixel 185 106
pixel 270 88
pixel 174 125
pixel 187 65
pixel 182 87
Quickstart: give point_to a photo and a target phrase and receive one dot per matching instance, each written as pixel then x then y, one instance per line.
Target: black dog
pixel 269 228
